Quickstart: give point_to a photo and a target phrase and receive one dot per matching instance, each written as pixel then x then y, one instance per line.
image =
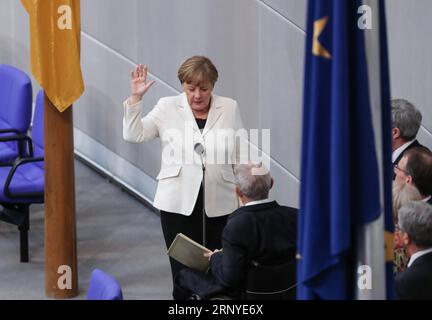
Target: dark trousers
pixel 191 226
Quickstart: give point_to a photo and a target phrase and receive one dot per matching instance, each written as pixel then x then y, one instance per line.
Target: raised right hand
pixel 139 84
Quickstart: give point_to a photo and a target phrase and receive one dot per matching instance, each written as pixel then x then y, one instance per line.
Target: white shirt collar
pixel 417 255
pixel 258 202
pixel 426 199
pixel 401 149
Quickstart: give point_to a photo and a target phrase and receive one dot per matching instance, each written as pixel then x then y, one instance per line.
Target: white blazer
pixel 180 176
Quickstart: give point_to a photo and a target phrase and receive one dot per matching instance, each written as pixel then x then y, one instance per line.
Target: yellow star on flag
pixel 317 48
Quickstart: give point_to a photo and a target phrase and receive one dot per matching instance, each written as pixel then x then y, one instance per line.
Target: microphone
pixel 199 149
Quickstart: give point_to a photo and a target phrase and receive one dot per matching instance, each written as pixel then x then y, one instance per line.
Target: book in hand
pixel 188 252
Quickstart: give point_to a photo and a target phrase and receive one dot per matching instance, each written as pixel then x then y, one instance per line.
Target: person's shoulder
pixel 401 278
pixel 417 144
pixel 225 102
pixel 170 100
pixel 287 210
pixel 410 283
pixel 419 272
pixel 237 213
pixel 238 217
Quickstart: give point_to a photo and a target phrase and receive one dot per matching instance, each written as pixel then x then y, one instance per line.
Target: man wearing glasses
pixel 415 168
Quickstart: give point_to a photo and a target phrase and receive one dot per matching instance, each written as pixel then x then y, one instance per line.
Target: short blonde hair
pixel 402 194
pixel 197 70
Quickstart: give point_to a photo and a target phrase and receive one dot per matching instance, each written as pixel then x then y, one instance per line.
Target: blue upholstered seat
pixel 103 287
pixel 22 183
pixel 15 109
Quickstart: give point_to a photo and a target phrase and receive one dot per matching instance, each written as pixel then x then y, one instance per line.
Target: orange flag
pixel 55 34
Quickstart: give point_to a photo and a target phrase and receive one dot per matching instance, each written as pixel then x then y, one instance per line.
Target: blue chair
pixel 103 287
pixel 15 112
pixel 22 184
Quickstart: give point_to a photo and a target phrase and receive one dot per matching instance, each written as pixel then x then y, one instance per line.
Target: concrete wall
pixel 6 32
pixel 257 46
pixel 410 57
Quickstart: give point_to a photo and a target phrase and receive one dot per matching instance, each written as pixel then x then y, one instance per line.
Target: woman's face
pixel 198 95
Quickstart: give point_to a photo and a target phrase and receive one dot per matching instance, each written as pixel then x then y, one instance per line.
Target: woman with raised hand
pixel 196 117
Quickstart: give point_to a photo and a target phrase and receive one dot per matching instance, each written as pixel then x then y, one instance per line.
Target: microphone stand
pixel 203 204
pixel 199 149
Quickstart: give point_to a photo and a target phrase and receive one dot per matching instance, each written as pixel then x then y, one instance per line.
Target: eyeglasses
pixel 396 167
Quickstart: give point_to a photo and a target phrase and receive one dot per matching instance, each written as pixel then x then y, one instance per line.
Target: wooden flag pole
pixel 61 270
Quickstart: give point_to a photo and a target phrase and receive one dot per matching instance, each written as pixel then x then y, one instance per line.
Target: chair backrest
pixel 103 287
pixel 38 126
pixel 15 99
pixel 272 282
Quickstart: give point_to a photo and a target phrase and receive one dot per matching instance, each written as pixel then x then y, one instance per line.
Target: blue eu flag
pixel 346 169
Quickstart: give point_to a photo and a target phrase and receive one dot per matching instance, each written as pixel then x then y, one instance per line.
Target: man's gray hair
pixel 253 180
pixel 415 218
pixel 406 117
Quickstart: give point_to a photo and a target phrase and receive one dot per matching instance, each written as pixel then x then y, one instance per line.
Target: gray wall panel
pixel 424 136
pixel 410 55
pixel 21 42
pixel 114 23
pixel 224 30
pixel 21 45
pixel 6 32
pixel 293 10
pixel 281 61
pixel 99 112
pixel 286 188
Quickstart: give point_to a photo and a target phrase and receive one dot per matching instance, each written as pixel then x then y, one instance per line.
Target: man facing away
pixel 415 223
pixel 261 230
pixel 406 121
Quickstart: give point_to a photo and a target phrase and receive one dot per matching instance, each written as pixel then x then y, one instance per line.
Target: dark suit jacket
pixel 415 283
pixel 266 233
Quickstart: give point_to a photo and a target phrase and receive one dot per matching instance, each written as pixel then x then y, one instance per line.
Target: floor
pixel 115 233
